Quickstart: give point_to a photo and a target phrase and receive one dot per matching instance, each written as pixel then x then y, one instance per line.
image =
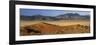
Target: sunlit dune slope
pixel 46 28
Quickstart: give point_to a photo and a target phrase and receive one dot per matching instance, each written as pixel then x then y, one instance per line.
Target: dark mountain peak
pixel 70 14
pixel 37 15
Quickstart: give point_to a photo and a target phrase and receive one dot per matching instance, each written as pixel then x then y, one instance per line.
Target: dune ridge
pixel 43 28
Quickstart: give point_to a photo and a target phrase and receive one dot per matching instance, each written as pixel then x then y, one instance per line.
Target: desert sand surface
pixel 60 22
pixel 54 27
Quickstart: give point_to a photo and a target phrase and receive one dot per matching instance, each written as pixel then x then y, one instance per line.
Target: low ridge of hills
pixel 67 16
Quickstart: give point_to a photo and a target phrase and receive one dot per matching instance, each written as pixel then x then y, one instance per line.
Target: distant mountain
pixel 38 17
pixel 70 14
pixel 67 16
pixel 86 16
pixel 73 16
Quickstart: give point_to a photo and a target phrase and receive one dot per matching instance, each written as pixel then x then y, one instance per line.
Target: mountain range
pixel 67 16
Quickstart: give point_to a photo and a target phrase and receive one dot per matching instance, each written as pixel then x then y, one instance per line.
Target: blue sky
pixel 47 12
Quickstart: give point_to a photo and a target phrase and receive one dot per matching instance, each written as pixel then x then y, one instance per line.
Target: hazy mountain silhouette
pixel 66 16
pixel 73 16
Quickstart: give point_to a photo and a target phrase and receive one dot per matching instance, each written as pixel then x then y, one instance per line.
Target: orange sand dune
pixel 46 28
